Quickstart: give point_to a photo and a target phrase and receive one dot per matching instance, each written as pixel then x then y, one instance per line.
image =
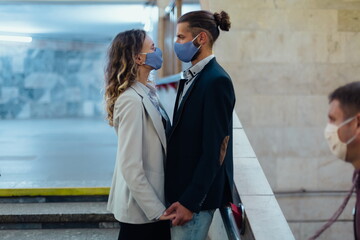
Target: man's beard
pixel 196 54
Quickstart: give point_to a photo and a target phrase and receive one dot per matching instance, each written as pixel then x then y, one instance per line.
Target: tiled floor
pixel 56 153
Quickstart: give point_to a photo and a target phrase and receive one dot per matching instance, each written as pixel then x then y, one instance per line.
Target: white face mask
pixel 337 147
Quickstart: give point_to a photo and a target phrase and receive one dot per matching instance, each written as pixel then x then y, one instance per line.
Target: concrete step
pixel 60 234
pixel 55 215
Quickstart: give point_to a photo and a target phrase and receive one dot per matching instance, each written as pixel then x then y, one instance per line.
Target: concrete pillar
pixel 166 34
pixel 162 4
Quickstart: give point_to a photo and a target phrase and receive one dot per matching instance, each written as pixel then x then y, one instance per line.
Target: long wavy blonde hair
pixel 121 70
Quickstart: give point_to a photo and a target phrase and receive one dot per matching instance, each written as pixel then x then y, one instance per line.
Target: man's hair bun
pixel 223 20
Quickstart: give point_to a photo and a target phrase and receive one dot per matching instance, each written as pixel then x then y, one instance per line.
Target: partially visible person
pixel 199 165
pixel 137 192
pixel 343 134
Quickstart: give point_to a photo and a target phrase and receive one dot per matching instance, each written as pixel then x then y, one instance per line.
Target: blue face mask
pixel 186 51
pixel 154 59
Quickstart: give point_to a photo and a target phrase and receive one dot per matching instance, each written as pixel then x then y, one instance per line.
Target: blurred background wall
pixel 51 79
pixel 59 73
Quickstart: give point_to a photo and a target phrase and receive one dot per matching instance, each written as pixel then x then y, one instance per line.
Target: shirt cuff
pixel 158 218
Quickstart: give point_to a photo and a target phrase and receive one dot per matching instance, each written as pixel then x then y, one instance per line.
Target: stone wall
pixel 285 56
pixel 51 79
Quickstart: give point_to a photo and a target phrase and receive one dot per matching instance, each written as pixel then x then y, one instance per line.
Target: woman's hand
pixel 167 217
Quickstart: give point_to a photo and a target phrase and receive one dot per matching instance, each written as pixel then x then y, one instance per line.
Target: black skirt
pixel 150 231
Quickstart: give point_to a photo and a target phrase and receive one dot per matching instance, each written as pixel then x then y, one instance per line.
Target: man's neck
pixel 203 54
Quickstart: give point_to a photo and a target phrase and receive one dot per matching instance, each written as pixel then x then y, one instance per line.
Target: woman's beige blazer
pixel 137 190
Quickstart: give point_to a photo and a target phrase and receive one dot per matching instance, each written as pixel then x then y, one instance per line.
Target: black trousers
pixel 150 231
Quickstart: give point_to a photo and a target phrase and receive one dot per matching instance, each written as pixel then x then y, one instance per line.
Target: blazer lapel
pixel 179 111
pixel 178 94
pixel 153 113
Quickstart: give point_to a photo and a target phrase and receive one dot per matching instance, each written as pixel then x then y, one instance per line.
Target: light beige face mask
pixel 337 147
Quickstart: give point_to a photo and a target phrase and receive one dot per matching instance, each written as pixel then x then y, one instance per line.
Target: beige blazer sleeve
pixel 130 113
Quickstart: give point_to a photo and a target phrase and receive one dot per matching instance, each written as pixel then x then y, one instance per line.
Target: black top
pixel 199 165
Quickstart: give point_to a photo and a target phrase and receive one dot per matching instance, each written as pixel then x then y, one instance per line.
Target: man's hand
pixel 183 215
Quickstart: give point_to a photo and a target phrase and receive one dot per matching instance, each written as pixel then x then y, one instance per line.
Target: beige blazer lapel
pixel 153 113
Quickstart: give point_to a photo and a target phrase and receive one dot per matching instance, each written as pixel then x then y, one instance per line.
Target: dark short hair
pixel 205 20
pixel 349 98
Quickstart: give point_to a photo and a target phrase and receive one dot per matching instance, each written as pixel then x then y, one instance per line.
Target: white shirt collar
pixel 194 70
pixel 148 87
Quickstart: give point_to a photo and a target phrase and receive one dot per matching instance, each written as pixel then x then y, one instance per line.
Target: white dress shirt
pixel 191 73
pixel 151 91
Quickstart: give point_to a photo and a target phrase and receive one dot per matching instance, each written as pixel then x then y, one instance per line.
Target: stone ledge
pixel 56 218
pixel 56 213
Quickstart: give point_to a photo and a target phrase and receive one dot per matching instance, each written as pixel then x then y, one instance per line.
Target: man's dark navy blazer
pixel 199 164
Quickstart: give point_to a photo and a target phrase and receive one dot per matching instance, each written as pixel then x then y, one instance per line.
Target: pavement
pixel 56 153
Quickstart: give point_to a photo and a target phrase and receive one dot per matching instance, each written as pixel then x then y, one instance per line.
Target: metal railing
pixel 169 79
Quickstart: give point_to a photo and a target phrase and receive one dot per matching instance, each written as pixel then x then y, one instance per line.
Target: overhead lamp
pixel 7 38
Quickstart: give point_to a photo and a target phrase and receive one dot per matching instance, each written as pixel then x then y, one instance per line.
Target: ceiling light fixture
pixel 15 39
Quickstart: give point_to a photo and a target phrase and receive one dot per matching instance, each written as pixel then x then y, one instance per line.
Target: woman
pixel 137 193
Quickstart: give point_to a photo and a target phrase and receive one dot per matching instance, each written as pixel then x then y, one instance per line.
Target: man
pixel 199 165
pixel 343 133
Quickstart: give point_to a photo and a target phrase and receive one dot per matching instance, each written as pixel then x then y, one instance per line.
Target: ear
pixel 139 60
pixel 203 38
pixel 358 123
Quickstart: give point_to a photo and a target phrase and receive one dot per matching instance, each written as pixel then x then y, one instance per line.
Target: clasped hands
pixel 177 214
